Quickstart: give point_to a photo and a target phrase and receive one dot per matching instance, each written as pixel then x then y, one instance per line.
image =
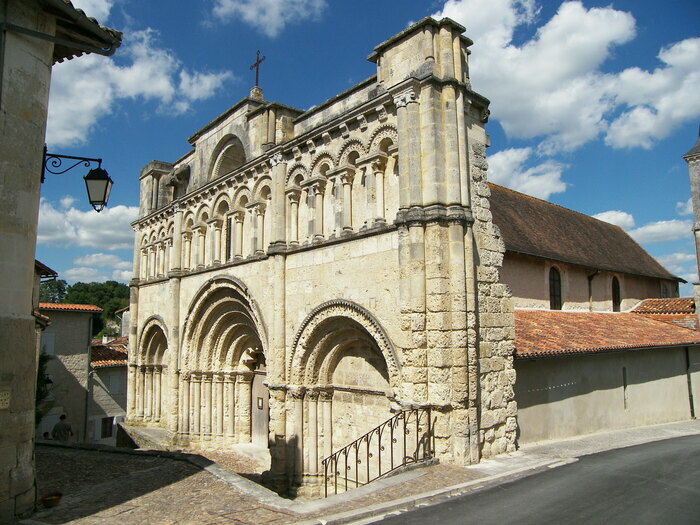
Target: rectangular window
pixel 106 428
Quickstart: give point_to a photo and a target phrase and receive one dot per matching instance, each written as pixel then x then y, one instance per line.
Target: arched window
pixel 554 289
pixel 615 294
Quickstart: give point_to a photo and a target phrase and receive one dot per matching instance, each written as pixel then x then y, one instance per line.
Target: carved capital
pixel 296 392
pixel 238 216
pixel 403 99
pixel 294 194
pixel 276 159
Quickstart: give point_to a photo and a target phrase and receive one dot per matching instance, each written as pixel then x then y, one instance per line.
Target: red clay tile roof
pixel 535 227
pixel 67 307
pixel 547 333
pixel 113 353
pixel 676 305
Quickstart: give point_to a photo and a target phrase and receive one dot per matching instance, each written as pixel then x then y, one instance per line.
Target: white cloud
pixel 122 275
pixel 109 230
pixel 103 260
pixel 269 16
pixel 99 83
pixel 659 101
pixel 85 275
pixel 619 218
pixel 662 231
pixel 507 168
pixel 678 263
pixel 552 86
pixel 98 9
pixel 685 208
pixel 67 201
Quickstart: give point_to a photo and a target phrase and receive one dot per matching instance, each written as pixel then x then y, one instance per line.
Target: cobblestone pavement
pixel 105 487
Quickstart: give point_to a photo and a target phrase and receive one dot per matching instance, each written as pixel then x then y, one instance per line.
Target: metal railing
pixel 405 438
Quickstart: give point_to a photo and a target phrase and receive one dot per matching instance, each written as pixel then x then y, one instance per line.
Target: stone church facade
pixel 301 276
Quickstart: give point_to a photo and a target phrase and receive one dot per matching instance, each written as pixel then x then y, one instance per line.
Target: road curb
pixel 437 495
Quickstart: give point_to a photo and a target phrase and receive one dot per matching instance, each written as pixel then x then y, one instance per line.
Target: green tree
pixel 110 296
pixel 53 291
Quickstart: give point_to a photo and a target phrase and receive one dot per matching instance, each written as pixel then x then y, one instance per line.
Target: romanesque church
pixel 303 277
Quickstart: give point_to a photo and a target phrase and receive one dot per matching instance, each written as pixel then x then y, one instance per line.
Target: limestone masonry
pixel 340 262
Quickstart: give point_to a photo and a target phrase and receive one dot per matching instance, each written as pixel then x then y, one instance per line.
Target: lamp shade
pixel 99 184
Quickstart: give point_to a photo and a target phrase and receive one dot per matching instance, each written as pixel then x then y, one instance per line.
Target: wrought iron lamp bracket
pixel 53 163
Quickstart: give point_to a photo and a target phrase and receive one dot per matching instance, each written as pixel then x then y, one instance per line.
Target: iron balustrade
pixel 403 439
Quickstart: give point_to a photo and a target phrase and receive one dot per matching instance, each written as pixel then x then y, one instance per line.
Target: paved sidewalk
pixel 111 487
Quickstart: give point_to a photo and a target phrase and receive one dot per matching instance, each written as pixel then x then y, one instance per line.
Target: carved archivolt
pixel 223 322
pixel 319 159
pixel 347 148
pixel 153 340
pixel 379 134
pixel 294 170
pixel 323 328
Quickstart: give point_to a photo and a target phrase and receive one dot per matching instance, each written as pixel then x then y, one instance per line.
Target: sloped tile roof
pixel 675 305
pixel 535 227
pixel 67 307
pixel 547 333
pixel 113 353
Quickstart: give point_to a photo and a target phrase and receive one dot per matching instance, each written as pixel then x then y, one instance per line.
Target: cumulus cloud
pixel 104 260
pixel 552 86
pixel 98 9
pixel 619 218
pixel 269 16
pixel 678 263
pixel 84 275
pixel 508 168
pixel 685 208
pixel 662 231
pixel 109 230
pixel 658 101
pixel 96 266
pixel 151 74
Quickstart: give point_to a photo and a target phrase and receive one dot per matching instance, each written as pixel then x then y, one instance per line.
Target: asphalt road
pixel 655 483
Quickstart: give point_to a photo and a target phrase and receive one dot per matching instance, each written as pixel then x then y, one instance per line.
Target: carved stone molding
pixel 403 99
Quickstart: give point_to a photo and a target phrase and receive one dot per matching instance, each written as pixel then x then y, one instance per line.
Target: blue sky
pixel 592 103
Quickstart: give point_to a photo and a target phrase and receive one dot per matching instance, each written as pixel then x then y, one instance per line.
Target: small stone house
pixel 107 405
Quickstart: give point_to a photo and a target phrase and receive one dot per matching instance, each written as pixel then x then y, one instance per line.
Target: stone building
pixel 34 34
pixel 67 342
pixel 300 277
pixel 342 259
pixel 107 389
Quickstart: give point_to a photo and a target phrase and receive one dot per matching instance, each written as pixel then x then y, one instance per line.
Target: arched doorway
pixel 151 373
pixel 260 403
pixel 223 354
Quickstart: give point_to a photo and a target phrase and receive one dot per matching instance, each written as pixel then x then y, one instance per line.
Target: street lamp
pixel 97 182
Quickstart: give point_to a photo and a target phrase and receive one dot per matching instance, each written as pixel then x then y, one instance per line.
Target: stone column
pixel 161 259
pixel 238 217
pixel 137 258
pixel 297 401
pixel 217 241
pixel 187 261
pixel 197 402
pixel 219 404
pixel 230 382
pixel 279 208
pixel 378 169
pixel 176 252
pixel 244 383
pixel 157 385
pixel 293 196
pixel 201 246
pixel 140 391
pixel 258 212
pixel 312 403
pixel 143 273
pixel 131 391
pixel 346 179
pixel 185 406
pixel 409 149
pixel 207 379
pixel 318 188
pixel 152 269
pixel 326 398
pixel 149 393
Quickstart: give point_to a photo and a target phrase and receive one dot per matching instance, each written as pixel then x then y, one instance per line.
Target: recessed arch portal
pixel 223 352
pixel 151 369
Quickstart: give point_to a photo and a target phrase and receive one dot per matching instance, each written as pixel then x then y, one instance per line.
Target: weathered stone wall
pixel 25 72
pixel 70 365
pixel 107 399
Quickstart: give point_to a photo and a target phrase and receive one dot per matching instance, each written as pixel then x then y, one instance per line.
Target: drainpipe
pixel 590 290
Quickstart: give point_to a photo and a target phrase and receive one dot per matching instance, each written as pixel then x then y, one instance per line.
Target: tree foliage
pixel 53 291
pixel 110 296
